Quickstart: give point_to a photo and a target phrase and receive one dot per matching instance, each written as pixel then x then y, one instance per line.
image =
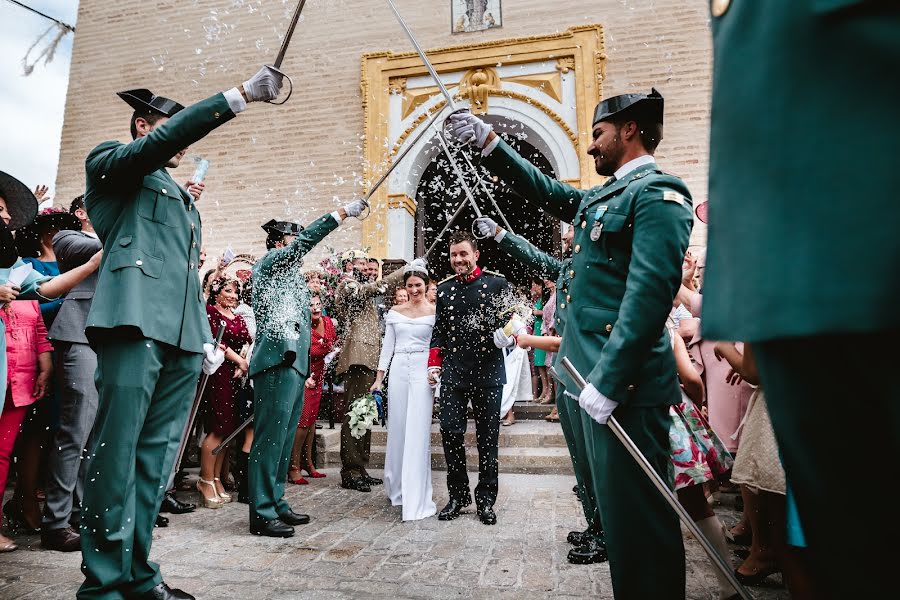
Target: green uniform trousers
pixel 145 393
pixel 573 431
pixel 277 404
pixel 358 381
pixel 642 532
pixel 834 402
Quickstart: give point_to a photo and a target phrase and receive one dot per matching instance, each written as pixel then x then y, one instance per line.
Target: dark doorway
pixel 439 194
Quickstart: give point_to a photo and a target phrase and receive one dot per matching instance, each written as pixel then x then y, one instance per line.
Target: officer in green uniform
pixel 630 238
pixel 589 544
pixel 149 328
pixel 279 364
pixel 804 250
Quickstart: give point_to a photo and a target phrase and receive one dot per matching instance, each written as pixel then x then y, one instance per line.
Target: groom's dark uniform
pixel 472 370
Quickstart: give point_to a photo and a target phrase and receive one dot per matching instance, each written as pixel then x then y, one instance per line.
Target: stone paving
pixel 357 547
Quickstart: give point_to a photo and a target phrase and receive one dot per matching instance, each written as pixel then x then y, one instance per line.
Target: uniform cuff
pixel 337 217
pixel 236 102
pixel 500 235
pixel 434 358
pixel 490 147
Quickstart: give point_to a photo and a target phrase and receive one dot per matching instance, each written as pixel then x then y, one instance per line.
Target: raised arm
pixel 522 250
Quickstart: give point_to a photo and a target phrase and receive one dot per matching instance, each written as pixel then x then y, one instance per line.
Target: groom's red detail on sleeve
pixel 434 358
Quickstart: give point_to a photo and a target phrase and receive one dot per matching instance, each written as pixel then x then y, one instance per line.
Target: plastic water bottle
pixel 200 172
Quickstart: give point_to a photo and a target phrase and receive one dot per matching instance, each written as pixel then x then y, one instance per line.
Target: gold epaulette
pixel 443 281
pixel 493 273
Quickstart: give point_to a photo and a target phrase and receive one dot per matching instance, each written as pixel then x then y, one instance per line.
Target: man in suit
pixel 803 253
pixel 471 369
pixel 279 365
pixel 75 366
pixel 631 235
pixel 589 544
pixel 358 361
pixel 148 326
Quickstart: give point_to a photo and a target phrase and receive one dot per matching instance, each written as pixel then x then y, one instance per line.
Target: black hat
pixel 274 227
pixel 28 237
pixel 145 100
pixel 20 201
pixel 637 106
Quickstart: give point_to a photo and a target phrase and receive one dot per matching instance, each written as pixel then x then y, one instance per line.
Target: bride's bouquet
pixel 363 413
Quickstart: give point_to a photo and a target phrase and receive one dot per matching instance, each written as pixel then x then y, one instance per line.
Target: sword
pixel 195 407
pixel 469 196
pixel 233 435
pixel 717 559
pixel 284 46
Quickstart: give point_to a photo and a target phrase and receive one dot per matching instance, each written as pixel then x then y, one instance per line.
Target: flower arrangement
pixel 363 413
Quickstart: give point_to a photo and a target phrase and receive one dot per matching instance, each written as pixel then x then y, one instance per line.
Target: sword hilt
pixel 290 86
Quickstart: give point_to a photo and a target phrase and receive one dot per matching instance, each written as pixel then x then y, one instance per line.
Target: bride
pixel 407 337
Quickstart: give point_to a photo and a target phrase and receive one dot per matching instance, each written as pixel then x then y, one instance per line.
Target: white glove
pixel 516 326
pixel 213 357
pixel 486 227
pixel 598 406
pixel 330 356
pixel 355 208
pixel 265 85
pixel 467 128
pixel 501 340
pixel 434 376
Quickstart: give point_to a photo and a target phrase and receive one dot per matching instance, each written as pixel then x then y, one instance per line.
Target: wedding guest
pixel 431 294
pixel 407 466
pixel 222 388
pixel 322 344
pixel 401 296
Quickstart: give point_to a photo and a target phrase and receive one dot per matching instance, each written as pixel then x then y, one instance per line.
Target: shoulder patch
pixel 641 175
pixel 673 196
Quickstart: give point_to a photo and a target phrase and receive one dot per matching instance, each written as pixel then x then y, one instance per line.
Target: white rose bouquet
pixel 363 413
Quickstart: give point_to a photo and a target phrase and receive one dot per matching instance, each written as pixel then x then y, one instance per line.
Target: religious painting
pixel 474 15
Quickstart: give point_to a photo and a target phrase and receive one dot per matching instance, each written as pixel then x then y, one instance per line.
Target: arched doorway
pixel 438 195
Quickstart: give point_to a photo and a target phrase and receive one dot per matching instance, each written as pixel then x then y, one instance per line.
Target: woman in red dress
pixel 221 411
pixel 323 338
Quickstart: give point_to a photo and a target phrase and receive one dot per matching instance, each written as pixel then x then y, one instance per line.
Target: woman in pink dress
pixel 323 338
pixel 222 388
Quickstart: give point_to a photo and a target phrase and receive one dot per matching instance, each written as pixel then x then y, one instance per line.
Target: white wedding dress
pixel 407 463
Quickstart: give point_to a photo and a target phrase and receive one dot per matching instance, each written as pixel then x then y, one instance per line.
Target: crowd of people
pixel 112 337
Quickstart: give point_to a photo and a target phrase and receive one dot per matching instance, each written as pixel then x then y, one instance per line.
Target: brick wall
pixel 302 159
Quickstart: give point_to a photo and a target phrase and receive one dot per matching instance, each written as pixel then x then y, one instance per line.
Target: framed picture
pixel 474 15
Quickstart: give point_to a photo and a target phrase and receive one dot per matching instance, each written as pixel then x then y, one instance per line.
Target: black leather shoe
pixel 356 484
pixel 61 540
pixel 171 504
pixel 372 480
pixel 453 508
pixel 591 552
pixel 487 515
pixel 161 521
pixel 292 518
pixel 273 528
pixel 163 592
pixel 579 538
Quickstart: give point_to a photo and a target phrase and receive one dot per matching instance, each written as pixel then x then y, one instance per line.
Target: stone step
pixel 523 434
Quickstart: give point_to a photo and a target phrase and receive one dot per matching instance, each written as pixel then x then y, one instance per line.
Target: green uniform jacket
pixel 281 302
pixel 622 285
pixel 150 230
pixel 804 170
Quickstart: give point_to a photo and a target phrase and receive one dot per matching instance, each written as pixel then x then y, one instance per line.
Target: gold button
pixel 216 115
pixel 165 191
pixel 563 305
pixel 568 298
pixel 577 248
pixel 572 273
pixel 719 7
pixel 630 388
pixel 192 225
pixel 138 262
pixel 583 224
pixel 608 328
pixel 191 265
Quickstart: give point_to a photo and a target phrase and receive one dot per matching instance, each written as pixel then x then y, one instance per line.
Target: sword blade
pixel 459 175
pixel 422 55
pixel 289 34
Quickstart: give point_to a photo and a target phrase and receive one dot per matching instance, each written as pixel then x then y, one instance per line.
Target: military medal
pixel 596 230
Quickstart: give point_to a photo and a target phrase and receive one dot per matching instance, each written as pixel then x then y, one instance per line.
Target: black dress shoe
pixel 292 518
pixel 356 484
pixel 487 515
pixel 591 552
pixel 171 504
pixel 372 480
pixel 579 538
pixel 453 508
pixel 163 592
pixel 161 521
pixel 61 540
pixel 273 528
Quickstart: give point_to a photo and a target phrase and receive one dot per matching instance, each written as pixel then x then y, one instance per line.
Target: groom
pixel 471 369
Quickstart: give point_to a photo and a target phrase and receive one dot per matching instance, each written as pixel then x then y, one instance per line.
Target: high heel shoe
pixel 223 495
pixel 298 479
pixel 215 501
pixel 311 471
pixel 758 577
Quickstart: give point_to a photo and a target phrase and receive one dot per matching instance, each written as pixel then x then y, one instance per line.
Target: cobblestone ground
pixel 357 547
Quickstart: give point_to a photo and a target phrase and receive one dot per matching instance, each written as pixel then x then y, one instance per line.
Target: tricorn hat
pixel 20 201
pixel 145 100
pixel 274 227
pixel 636 106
